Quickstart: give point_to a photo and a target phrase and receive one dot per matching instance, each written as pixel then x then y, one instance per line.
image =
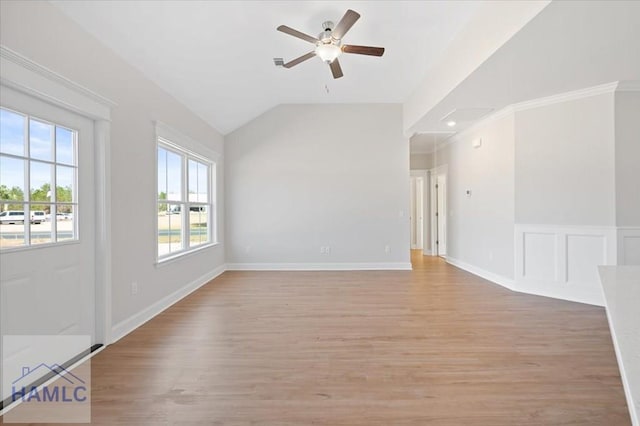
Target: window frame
pixel 53 202
pixel 175 142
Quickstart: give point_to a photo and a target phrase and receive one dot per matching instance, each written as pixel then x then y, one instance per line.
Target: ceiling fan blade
pixel 296 33
pixel 363 50
pixel 300 59
pixel 336 70
pixel 347 21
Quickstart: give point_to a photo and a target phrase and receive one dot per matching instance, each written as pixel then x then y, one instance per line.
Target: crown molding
pixel 616 86
pixel 21 73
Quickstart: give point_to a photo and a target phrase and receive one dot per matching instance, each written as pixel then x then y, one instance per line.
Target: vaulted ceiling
pixel 216 57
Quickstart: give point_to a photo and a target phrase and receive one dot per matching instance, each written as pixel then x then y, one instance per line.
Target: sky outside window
pixel 11 132
pixel 40 140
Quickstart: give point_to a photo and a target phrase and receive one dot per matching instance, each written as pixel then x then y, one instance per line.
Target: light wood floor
pixel 435 346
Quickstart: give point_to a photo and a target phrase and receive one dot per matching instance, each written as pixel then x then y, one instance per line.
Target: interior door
pixel 416 216
pixel 441 214
pixel 48 287
pixel 412 215
pixel 419 210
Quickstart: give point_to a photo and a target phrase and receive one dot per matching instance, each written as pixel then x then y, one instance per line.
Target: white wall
pixel 421 161
pixel 301 177
pixel 40 32
pixel 480 226
pixel 575 160
pixel 564 163
pixel 542 214
pixel 627 158
pixel 627 129
pixel 554 192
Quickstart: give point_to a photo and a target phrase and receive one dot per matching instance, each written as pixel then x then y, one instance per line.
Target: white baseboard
pixel 126 326
pixel 588 296
pixel 396 266
pixel 482 273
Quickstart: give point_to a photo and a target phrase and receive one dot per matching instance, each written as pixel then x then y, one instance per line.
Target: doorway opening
pixel 419 211
pixel 55 276
pixel 439 211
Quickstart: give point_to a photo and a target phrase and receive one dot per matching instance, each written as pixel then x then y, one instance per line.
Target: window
pixel 38 181
pixel 186 208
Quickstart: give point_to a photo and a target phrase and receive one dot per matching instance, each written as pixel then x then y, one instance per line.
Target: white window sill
pixel 180 255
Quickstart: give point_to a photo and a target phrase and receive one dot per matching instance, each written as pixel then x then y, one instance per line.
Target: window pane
pixel 162 174
pixel 175 229
pixel 64 184
pixel 169 228
pixel 11 179
pixel 40 226
pixel 65 222
pixel 193 181
pixel 174 176
pixel 40 181
pixel 46 143
pixel 164 246
pixel 64 146
pixel 40 143
pixel 11 225
pixel 198 185
pixel 203 183
pixel 198 225
pixel 11 132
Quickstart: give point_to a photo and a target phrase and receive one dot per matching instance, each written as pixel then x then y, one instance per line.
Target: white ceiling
pixel 570 45
pixel 426 143
pixel 216 57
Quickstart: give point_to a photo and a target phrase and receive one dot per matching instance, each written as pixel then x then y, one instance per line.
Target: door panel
pixel 442 214
pixel 50 289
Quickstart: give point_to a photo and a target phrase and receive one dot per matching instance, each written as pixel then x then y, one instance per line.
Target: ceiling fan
pixel 329 43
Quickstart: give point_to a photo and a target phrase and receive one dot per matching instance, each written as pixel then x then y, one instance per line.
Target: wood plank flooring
pixel 434 346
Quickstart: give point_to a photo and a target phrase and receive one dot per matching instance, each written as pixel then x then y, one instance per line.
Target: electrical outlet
pixel 134 287
pixel 322 250
pixel 387 249
pixel 327 249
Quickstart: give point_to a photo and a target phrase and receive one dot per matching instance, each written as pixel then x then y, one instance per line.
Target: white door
pixel 441 214
pixel 419 213
pixel 47 270
pixel 412 215
pixel 417 208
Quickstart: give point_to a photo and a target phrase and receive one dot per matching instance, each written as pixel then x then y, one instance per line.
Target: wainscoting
pixel 562 262
pixel 628 246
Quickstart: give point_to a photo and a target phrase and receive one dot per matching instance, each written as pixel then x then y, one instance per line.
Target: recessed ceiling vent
pixel 278 62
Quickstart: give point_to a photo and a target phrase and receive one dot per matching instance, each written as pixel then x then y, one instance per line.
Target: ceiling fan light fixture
pixel 328 52
pixel 328 45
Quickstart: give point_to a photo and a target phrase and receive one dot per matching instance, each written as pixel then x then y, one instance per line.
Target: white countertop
pixel 621 285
